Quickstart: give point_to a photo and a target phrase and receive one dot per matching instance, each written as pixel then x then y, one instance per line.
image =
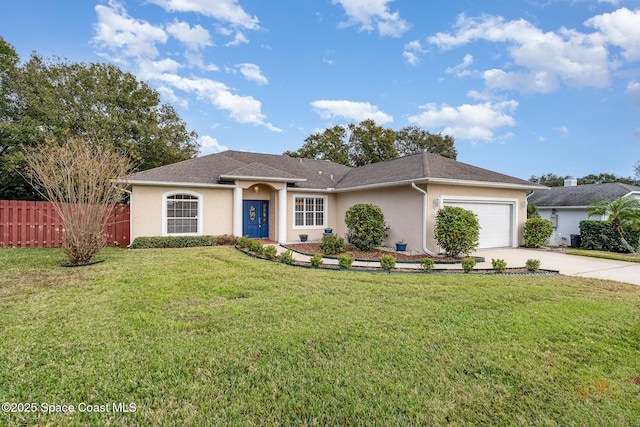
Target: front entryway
pixel 255 219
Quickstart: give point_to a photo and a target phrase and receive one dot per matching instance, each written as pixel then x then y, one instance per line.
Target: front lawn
pixel 208 336
pixel 604 255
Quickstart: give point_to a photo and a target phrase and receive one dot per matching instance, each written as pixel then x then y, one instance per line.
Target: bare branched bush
pixel 77 178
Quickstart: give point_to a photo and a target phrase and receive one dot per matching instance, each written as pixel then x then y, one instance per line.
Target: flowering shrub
pixel 457 230
pixel 537 232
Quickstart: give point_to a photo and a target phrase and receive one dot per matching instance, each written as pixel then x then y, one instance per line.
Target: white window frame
pixel 165 219
pixel 324 211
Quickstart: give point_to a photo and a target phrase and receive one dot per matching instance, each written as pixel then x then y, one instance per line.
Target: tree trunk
pixel 626 244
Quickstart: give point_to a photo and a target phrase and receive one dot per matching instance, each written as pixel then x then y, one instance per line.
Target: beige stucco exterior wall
pixel 316 232
pixel 436 191
pixel 402 209
pixel 146 209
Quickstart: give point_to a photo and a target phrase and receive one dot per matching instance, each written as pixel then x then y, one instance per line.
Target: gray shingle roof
pixel 317 174
pixel 580 195
pixel 424 166
pixel 320 174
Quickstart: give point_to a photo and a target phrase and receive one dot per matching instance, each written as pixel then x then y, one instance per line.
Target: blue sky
pixel 525 87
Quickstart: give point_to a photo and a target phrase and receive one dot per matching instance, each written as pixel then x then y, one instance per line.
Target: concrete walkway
pixel 569 265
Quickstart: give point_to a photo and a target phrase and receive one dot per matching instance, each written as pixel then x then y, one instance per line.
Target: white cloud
pixel 633 92
pixel 412 52
pixel 461 70
pixel 210 145
pixel 194 38
pixel 574 58
pixel 227 11
pixel 252 72
pixel 373 15
pixel 472 122
pixel 563 130
pixel 350 110
pixel 620 28
pixel 131 38
pixel 117 31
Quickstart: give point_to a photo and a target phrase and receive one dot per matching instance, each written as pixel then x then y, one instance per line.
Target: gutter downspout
pixel 425 205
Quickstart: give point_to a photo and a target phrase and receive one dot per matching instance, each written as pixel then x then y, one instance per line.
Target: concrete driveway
pixel 569 265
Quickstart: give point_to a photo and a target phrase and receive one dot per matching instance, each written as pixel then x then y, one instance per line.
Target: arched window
pixel 182 213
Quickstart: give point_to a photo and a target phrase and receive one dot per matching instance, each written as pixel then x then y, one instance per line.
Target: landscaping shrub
pixel 255 247
pixel 316 260
pixel 226 240
pixel 602 236
pixel 457 231
pixel 332 244
pixel 499 265
pixel 269 251
pixel 532 211
pixel 345 261
pixel 287 257
pixel 365 225
pixel 426 264
pixel 387 262
pixel 533 265
pixel 468 264
pixel 243 242
pixel 180 241
pixel 537 232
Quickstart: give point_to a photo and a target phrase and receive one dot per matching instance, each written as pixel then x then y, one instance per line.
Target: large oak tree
pixel 56 99
pixel 366 142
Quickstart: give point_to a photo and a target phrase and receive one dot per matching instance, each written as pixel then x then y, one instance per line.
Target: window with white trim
pixel 182 214
pixel 309 211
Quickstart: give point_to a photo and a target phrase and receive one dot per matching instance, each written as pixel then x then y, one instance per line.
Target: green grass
pixel 208 336
pixel 605 255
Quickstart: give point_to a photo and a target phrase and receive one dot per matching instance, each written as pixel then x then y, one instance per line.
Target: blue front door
pixel 255 219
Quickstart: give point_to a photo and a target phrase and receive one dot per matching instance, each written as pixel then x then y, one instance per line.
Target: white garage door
pixel 495 220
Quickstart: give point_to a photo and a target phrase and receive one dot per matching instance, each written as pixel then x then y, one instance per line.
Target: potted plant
pixel 303 237
pixel 328 230
pixel 401 246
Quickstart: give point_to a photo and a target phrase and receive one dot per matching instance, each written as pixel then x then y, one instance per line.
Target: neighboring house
pixel 280 197
pixel 566 206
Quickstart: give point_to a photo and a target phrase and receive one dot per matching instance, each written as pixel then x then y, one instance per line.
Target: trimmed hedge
pixel 182 241
pixel 602 236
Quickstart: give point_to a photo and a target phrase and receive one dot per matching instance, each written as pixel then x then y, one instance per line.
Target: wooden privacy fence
pixel 37 225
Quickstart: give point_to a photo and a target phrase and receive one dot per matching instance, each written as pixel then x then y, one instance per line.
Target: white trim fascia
pixel 180 184
pixel 562 207
pixel 632 193
pixel 311 190
pixel 262 178
pixel 460 182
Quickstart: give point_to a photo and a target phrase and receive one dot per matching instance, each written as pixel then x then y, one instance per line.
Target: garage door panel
pixel 495 220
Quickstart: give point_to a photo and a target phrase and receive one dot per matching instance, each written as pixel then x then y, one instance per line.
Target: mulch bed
pixel 373 255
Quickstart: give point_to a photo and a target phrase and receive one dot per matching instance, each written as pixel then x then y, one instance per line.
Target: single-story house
pixel 566 206
pixel 279 197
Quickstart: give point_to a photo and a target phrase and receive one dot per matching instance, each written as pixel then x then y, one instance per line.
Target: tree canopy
pixel 553 180
pixel 366 142
pixel 56 99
